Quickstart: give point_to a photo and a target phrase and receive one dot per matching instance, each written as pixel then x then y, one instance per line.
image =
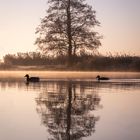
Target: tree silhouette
pixel 68 29
pixel 66 112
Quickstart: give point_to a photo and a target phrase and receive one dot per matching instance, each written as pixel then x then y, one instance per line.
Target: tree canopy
pixel 68 28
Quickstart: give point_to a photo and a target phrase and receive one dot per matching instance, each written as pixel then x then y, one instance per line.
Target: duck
pixel 31 79
pixel 101 78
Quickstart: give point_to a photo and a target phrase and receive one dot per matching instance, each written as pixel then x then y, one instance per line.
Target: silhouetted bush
pixel 82 62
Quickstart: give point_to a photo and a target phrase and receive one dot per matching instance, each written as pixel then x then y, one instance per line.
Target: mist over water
pixel 66 75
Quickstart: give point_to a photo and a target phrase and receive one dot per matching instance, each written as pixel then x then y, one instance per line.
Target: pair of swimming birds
pixel 37 79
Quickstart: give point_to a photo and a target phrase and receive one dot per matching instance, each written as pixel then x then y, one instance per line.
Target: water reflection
pixel 67 111
pixel 53 84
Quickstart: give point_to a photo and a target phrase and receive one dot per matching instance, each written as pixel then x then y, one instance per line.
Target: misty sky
pixel 120 21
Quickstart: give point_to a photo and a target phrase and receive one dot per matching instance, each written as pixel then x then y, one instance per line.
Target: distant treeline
pixel 96 62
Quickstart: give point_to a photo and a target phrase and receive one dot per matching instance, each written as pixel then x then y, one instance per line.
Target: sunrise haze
pixel 119 19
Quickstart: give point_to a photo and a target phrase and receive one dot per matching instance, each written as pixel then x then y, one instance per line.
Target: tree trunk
pixel 74 50
pixel 69 33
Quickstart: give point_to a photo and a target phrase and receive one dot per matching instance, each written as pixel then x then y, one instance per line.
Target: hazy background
pixel 120 20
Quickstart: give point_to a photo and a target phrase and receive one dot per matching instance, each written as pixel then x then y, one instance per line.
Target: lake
pixel 69 106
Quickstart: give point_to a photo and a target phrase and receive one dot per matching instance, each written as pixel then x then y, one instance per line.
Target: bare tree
pixel 68 29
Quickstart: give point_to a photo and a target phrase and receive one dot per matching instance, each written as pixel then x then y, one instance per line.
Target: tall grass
pixel 98 62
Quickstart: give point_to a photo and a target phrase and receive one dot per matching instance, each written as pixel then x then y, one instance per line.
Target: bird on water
pixel 31 79
pixel 101 78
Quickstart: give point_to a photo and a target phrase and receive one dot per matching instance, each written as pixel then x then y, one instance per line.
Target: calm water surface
pixel 70 110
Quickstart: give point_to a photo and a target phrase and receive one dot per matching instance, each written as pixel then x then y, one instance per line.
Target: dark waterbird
pixel 32 79
pixel 101 78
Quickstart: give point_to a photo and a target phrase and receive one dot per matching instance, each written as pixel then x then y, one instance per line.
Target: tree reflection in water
pixel 67 111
